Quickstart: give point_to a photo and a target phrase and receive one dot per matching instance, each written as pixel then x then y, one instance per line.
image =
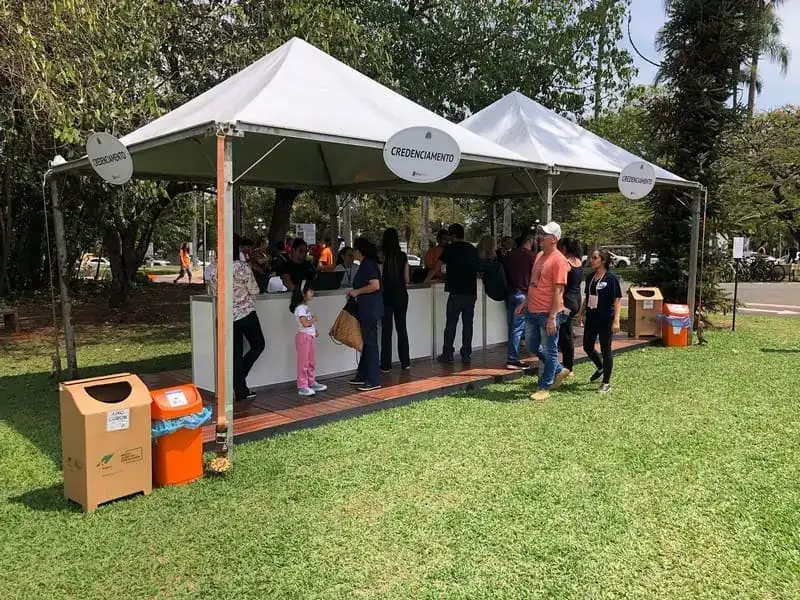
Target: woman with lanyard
pixel 602 308
pixel 571 248
pixel 346 263
pixel 369 298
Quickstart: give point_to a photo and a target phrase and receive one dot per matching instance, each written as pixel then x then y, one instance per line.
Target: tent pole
pixel 225 227
pixel 693 252
pixel 423 237
pixel 63 280
pixel 507 218
pixel 548 201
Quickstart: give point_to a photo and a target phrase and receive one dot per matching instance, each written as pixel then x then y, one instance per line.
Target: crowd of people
pixel 546 295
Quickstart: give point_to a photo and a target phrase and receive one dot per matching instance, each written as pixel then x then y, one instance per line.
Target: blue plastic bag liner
pixel 681 322
pixel 167 426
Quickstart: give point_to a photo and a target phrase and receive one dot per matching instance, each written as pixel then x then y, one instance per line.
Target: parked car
pixel 92 262
pixel 414 260
pixel 653 259
pixel 157 262
pixel 620 262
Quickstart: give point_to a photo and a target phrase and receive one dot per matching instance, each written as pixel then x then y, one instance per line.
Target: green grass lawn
pixel 682 483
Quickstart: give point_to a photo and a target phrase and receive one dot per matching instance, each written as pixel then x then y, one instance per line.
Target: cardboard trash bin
pixel 105 439
pixel 644 310
pixel 675 325
pixel 177 418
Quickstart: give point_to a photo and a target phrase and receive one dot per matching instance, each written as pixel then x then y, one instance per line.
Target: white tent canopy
pixel 585 161
pixel 334 122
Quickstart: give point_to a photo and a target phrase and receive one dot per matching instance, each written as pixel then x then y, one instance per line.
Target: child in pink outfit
pixel 305 339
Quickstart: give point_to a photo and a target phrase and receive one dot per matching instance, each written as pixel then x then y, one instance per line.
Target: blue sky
pixel 648 17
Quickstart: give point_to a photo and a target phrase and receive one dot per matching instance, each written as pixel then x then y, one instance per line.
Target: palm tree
pixel 770 45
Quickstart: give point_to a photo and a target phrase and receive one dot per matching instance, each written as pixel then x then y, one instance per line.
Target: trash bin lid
pixel 676 310
pixel 174 402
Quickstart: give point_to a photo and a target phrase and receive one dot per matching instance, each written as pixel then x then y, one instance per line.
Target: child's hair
pixel 299 294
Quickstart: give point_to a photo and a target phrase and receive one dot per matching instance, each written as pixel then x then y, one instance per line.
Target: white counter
pixel 426 318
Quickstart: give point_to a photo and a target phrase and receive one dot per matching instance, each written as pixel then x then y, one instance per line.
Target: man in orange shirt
pixel 545 308
pixel 326 256
pixel 432 256
pixel 185 263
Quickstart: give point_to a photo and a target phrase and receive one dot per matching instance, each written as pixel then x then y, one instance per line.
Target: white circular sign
pixel 637 180
pixel 109 158
pixel 421 154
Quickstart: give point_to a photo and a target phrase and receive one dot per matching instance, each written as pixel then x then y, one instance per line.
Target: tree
pixel 769 44
pixel 759 175
pixel 704 43
pixel 457 57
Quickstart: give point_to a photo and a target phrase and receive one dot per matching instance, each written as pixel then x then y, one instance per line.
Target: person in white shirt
pixel 346 263
pixel 305 339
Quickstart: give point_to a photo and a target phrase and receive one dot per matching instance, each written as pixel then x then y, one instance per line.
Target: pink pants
pixel 305 360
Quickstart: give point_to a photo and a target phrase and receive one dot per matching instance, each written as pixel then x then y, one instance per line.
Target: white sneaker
pixel 306 391
pixel 319 387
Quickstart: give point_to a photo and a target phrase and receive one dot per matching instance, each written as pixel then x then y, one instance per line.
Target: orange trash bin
pixel 675 325
pixel 177 456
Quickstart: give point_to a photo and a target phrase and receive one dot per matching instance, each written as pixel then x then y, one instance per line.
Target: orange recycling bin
pixel 178 453
pixel 675 325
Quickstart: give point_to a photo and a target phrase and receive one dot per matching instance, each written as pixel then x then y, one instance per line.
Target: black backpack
pixel 494 281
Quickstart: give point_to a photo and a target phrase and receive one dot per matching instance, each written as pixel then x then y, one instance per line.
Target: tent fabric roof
pixel 539 134
pixel 335 122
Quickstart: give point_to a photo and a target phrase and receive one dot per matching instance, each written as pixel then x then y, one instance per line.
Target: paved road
pixel 781 299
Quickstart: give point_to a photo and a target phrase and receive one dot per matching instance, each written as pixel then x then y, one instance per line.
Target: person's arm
pixel 434 272
pixel 407 273
pixel 373 285
pixel 287 281
pixel 617 310
pixel 252 284
pixel 306 321
pixel 558 294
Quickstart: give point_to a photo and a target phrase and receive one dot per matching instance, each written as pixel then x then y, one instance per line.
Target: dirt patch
pixel 153 304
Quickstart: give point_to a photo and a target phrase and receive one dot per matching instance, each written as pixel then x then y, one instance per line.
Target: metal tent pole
pixel 63 280
pixel 548 200
pixel 693 252
pixel 225 227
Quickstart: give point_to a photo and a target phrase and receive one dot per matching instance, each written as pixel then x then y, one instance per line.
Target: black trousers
pixel 368 368
pixel 395 311
pixel 566 343
pixel 248 328
pixel 459 305
pixel 599 326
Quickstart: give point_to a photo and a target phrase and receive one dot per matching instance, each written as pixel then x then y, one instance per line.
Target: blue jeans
pixel 545 346
pixel 516 324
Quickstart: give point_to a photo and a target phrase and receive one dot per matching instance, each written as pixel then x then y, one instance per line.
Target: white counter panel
pixel 426 319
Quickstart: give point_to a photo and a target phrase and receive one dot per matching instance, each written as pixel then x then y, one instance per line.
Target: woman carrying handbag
pixel 369 300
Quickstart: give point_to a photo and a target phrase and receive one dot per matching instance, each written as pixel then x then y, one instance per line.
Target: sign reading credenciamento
pixel 637 180
pixel 421 154
pixel 109 158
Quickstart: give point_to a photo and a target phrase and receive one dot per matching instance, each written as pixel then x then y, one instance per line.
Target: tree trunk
pixel 281 213
pixel 751 98
pixel 6 216
pixel 598 73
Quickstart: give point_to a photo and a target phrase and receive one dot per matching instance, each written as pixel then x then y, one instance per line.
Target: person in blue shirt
pixel 602 307
pixel 369 298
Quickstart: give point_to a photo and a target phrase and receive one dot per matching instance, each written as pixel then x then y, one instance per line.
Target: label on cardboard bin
pixel 118 420
pixel 176 399
pixel 647 305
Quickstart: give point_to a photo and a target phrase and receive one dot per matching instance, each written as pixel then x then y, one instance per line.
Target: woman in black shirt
pixel 571 248
pixel 368 294
pixel 396 276
pixel 602 307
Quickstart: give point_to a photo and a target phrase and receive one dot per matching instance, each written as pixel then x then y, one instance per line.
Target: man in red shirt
pixel 545 308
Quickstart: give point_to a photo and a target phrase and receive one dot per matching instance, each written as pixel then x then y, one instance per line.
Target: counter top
pixel 286 296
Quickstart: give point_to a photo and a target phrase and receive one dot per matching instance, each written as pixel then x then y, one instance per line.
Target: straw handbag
pixel 345 329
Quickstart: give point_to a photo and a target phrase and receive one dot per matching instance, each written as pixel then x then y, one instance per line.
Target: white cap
pixel 552 228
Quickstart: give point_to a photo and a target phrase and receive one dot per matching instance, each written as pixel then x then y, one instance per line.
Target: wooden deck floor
pixel 279 408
